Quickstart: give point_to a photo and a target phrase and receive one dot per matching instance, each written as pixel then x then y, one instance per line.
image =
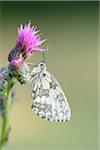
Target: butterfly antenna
pixel 43 56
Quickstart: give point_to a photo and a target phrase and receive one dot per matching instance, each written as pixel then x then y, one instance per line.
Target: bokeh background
pixel 72 32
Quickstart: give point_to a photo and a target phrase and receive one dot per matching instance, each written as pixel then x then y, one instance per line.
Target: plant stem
pixel 5 117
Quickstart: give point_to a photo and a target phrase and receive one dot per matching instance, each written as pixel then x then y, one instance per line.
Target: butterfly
pixel 48 99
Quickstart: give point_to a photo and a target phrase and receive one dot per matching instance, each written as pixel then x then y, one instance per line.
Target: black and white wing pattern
pixel 48 99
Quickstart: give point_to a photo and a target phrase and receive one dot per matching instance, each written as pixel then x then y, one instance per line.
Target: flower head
pixel 28 41
pixel 29 38
pixel 22 73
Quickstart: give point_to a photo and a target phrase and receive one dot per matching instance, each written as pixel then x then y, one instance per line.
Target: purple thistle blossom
pixel 17 62
pixel 28 41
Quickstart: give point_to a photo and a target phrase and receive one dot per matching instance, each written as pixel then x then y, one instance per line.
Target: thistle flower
pixel 28 41
pixel 21 73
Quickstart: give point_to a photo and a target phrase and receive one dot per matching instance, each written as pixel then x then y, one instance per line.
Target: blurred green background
pixel 72 32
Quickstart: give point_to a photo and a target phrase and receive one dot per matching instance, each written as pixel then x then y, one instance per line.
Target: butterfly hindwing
pixel 48 98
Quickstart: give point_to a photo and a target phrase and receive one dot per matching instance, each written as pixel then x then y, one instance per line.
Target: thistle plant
pixel 28 41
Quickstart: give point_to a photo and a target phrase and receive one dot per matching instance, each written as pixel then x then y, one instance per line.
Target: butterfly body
pixel 48 98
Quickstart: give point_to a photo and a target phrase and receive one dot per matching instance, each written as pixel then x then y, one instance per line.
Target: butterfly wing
pixel 49 100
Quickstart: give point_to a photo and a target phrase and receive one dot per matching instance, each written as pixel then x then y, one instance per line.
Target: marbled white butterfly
pixel 48 99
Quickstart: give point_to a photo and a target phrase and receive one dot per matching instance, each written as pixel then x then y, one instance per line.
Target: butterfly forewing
pixel 48 98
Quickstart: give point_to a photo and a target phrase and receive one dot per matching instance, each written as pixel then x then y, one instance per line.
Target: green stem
pixel 5 118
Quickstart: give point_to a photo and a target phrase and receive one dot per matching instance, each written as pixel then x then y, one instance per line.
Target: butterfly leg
pixel 30 63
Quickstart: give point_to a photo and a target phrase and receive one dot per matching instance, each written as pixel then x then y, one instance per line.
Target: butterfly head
pixel 42 66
